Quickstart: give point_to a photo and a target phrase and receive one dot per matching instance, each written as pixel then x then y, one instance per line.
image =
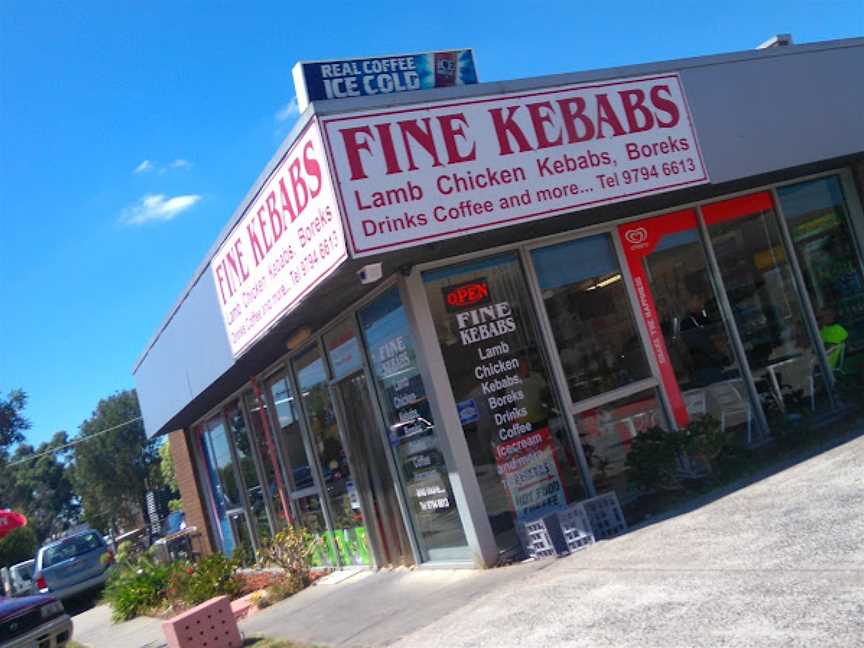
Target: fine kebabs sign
pixel 437 171
pixel 289 239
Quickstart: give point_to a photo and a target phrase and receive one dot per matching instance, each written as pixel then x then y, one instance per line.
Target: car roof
pixel 58 541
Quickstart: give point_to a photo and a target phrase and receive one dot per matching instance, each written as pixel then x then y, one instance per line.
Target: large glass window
pixel 413 439
pixel 670 271
pixel 607 432
pixel 299 470
pixel 349 532
pixel 223 481
pixel 246 461
pixel 269 458
pixel 512 421
pixel 591 317
pixel 759 284
pixel 818 221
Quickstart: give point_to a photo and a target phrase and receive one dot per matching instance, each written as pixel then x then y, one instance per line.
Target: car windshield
pixel 24 572
pixel 71 547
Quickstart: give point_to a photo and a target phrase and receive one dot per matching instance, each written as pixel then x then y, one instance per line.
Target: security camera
pixel 370 273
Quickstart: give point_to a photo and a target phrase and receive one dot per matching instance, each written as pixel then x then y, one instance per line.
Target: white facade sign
pixel 289 240
pixel 438 171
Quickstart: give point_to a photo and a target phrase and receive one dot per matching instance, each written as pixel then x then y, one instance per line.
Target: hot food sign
pixel 441 170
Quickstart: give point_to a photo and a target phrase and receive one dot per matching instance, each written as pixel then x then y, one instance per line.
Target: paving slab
pixel 93 628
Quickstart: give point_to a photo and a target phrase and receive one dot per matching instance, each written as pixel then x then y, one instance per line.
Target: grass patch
pixel 263 642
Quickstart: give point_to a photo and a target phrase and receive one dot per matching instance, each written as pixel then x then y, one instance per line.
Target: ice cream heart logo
pixel 636 236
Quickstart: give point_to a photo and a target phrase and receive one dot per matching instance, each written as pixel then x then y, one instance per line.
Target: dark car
pixel 33 621
pixel 72 565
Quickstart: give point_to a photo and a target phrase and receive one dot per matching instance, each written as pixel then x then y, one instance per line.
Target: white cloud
pixel 144 167
pixel 180 163
pixel 288 111
pixel 157 207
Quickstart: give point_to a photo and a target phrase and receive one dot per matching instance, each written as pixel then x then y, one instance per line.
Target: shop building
pixel 442 313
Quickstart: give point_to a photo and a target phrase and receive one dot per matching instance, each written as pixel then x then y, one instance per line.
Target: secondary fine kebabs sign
pixel 441 170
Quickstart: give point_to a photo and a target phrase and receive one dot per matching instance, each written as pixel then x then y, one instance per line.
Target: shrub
pixel 137 587
pixel 214 575
pixel 291 550
pixel 18 546
pixel 675 459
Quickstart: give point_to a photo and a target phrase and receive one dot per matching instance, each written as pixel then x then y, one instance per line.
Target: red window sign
pixel 471 293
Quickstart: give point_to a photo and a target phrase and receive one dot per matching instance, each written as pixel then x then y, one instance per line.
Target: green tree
pixel 112 471
pixel 18 546
pixel 169 476
pixel 41 486
pixel 12 427
pixel 12 423
pixel 166 466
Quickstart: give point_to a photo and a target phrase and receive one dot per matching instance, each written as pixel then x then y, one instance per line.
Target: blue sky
pixel 130 131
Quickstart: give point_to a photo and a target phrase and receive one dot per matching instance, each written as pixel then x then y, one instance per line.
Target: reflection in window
pixel 818 221
pixel 759 284
pixel 590 314
pixel 242 445
pixel 607 432
pixel 223 482
pixel 299 470
pixel 269 460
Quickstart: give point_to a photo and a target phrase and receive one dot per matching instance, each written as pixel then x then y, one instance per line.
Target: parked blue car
pixel 72 565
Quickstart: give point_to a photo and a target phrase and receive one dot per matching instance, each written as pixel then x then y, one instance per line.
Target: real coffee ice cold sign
pixel 441 170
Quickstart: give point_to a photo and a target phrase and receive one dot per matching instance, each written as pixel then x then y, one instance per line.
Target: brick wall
pixel 191 490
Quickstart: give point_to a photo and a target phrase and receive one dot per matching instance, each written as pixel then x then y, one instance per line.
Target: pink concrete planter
pixel 209 625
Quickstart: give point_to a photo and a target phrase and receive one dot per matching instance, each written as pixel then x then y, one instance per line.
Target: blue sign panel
pixel 382 75
pixel 468 412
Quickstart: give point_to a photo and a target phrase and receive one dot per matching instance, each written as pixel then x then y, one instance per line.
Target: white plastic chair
pixel 731 400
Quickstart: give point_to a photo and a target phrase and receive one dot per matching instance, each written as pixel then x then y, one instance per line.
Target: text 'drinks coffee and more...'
pixel 437 171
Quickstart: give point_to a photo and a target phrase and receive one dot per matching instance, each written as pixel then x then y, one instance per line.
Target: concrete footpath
pixel 777 563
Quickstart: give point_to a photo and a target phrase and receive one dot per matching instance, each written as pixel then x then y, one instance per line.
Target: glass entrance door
pixel 373 483
pixel 682 314
pixel 346 515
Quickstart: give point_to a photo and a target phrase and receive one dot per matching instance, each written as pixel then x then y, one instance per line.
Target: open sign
pixel 466 294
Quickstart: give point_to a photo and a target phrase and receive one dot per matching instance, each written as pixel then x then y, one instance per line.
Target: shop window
pixel 512 421
pixel 818 221
pixel 685 322
pixel 348 531
pixel 607 432
pixel 747 243
pixel 299 470
pixel 413 439
pixel 343 350
pixel 254 493
pixel 223 480
pixel 269 458
pixel 591 317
